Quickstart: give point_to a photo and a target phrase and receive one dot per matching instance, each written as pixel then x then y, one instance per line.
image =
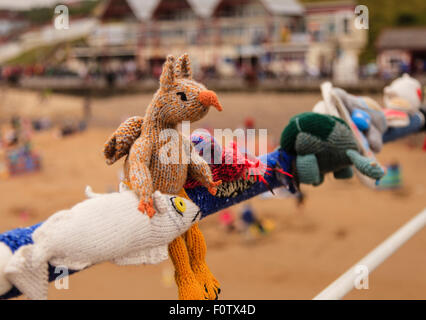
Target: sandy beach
pixel 311 245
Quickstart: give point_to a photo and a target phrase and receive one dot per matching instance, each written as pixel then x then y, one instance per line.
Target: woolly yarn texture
pixel 322 144
pixel 378 125
pixel 123 138
pixel 404 93
pixel 161 158
pixel 105 227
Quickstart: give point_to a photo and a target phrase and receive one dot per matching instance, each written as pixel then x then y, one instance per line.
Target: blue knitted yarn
pixel 210 204
pixel 15 239
pixel 416 124
pixel 18 237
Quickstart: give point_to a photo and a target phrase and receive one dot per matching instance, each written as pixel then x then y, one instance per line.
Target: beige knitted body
pixel 157 163
pixel 166 177
pixel 161 158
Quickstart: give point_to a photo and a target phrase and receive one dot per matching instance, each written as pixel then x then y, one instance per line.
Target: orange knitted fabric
pixel 197 254
pixel 192 275
pixel 209 98
pixel 120 142
pixel 188 286
pixel 147 169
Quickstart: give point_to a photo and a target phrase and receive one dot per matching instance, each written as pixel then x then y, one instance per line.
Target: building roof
pixel 284 7
pixel 11 15
pixel 205 8
pixel 329 6
pixel 115 9
pixel 143 9
pixel 412 38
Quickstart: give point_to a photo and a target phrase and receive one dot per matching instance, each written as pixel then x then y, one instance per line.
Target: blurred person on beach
pixel 249 218
pixel 227 220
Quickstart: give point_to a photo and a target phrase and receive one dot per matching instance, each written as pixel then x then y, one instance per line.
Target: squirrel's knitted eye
pixel 179 205
pixel 182 96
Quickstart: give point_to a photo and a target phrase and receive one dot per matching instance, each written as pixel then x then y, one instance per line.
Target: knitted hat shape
pixel 324 144
pixel 402 89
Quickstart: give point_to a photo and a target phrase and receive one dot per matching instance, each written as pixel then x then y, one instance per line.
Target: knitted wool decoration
pixel 192 275
pixel 161 158
pixel 396 118
pixel 12 240
pixel 404 94
pixel 238 171
pixel 229 167
pixel 5 255
pixel 123 138
pixel 105 227
pixel 378 123
pixel 324 144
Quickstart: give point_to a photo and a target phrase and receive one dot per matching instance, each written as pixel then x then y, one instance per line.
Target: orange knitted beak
pixel 208 98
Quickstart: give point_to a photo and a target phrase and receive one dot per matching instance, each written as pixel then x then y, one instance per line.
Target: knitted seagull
pixel 105 227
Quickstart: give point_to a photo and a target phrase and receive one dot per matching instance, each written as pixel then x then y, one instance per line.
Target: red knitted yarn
pixel 227 170
pixel 242 166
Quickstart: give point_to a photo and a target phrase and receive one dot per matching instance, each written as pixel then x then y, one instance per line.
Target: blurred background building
pixel 115 42
pixel 402 49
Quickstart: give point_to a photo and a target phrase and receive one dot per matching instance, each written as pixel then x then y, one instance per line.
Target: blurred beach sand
pixel 310 247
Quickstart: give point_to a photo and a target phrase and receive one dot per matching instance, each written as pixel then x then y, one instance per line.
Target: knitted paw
pixel 197 248
pixel 344 173
pixel 189 288
pixel 308 170
pixel 365 165
pixel 206 279
pixel 147 207
pixel 212 188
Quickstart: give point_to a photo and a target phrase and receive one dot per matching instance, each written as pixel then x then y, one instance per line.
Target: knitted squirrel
pixel 146 168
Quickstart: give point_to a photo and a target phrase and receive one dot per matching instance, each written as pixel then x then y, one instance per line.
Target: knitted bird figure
pixel 105 227
pixel 160 158
pixel 324 144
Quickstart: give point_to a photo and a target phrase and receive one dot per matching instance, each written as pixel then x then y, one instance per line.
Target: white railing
pixel 346 282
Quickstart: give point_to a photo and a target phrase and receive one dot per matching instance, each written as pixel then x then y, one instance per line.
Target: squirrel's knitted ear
pixel 167 77
pixel 183 67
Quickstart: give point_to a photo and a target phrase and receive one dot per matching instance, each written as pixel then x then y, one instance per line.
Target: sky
pixel 24 4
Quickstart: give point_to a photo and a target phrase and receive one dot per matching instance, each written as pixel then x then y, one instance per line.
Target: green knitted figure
pixel 324 144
